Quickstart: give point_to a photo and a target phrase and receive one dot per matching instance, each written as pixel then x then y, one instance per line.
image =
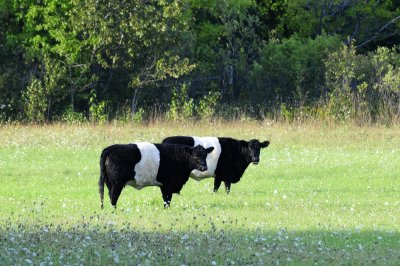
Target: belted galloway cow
pixel 229 159
pixel 145 164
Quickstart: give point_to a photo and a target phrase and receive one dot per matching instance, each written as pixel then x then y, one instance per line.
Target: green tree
pixel 369 23
pixel 270 14
pixel 144 39
pixel 291 70
pixel 13 72
pixel 226 44
pixel 49 49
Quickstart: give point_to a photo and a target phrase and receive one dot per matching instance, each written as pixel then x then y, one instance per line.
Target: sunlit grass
pixel 322 193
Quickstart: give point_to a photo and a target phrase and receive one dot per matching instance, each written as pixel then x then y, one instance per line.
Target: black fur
pixel 235 157
pixel 117 164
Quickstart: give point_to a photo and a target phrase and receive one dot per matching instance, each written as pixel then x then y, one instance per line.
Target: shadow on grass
pixel 107 245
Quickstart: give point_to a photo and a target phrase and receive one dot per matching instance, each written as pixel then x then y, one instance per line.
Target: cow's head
pixel 251 150
pixel 199 154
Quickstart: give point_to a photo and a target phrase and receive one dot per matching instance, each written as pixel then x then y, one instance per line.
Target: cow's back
pixel 182 140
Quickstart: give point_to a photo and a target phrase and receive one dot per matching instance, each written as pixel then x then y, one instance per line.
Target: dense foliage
pixel 133 60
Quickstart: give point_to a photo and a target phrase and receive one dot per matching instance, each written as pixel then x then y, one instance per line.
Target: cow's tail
pixel 103 175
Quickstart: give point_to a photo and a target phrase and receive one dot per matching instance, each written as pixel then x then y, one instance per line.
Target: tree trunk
pixel 48 109
pixel 72 100
pixel 134 101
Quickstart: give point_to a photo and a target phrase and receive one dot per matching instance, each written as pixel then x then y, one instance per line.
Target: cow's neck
pixel 184 158
pixel 243 163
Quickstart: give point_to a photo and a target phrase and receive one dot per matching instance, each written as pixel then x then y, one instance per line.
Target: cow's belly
pixel 139 185
pixel 197 175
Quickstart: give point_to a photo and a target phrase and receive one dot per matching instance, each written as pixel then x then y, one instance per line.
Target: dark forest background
pixel 136 60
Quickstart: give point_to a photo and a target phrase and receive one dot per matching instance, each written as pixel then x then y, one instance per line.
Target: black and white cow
pixel 229 159
pixel 146 164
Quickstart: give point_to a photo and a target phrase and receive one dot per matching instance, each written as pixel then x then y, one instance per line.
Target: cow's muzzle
pixel 203 168
pixel 255 161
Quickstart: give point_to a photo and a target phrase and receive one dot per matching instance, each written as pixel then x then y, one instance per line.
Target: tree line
pixel 77 60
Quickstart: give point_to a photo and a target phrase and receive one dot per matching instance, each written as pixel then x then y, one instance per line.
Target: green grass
pixel 322 194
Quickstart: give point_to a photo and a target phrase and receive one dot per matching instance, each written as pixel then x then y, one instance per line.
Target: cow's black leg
pixel 109 186
pixel 227 187
pixel 217 184
pixel 167 201
pixel 114 194
pixel 167 196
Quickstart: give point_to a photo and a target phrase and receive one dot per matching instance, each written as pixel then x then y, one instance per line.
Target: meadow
pixel 322 194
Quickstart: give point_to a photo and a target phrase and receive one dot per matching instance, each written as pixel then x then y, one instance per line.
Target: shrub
pixel 138 116
pixel 72 117
pixel 206 107
pixel 363 87
pixel 290 70
pixel 34 101
pixel 181 106
pixel 97 110
pixel 340 75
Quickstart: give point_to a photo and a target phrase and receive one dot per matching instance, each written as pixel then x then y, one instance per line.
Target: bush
pixel 35 102
pixel 138 116
pixel 72 117
pixel 181 106
pixel 207 105
pixel 97 110
pixel 340 75
pixel 363 87
pixel 291 70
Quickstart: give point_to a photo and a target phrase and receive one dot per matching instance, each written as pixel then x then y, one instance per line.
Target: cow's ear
pixel 210 149
pixel 264 144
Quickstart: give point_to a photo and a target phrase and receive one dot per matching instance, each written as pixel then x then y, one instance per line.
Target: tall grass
pixel 323 193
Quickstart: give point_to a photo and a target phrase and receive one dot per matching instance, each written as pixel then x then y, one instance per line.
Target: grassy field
pixel 322 194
